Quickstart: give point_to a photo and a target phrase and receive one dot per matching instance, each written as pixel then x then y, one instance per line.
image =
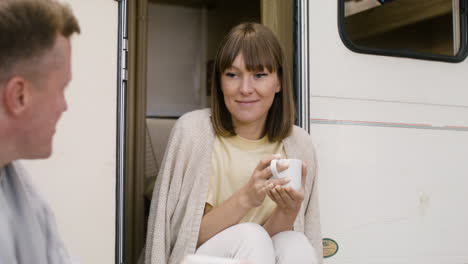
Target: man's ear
pixel 16 95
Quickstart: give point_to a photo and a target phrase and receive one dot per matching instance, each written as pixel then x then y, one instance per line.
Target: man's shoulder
pixel 16 169
pixel 23 186
pixel 31 219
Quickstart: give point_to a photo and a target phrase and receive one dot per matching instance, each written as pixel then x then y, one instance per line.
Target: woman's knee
pixel 294 247
pixel 252 233
pixel 254 244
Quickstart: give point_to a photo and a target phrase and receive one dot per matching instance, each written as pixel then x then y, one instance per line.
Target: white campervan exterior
pixel 392 141
pixel 391 136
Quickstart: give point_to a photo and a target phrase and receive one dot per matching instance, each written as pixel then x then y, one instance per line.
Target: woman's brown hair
pixel 261 50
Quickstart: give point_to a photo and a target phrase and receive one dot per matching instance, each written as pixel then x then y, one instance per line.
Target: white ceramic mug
pixel 294 172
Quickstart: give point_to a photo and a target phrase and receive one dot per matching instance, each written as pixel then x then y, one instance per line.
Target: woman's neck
pixel 252 131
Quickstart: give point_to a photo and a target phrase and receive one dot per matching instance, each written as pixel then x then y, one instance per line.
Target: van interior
pixel 430 26
pixel 176 42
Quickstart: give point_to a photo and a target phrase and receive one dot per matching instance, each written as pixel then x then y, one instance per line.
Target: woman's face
pixel 248 95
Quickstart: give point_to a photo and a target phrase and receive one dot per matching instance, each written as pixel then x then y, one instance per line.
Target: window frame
pixel 459 57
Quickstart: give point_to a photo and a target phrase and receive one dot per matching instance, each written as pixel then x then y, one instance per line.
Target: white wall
pixel 388 195
pixel 176 59
pixel 79 179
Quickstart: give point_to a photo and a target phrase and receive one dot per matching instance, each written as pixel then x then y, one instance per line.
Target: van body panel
pixel 392 138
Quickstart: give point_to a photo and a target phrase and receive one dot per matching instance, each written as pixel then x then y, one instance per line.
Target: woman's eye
pixel 230 74
pixel 260 75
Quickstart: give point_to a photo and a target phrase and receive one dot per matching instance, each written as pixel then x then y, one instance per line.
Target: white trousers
pixel 251 242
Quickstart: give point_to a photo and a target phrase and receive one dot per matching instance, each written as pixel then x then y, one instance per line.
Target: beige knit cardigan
pixel 181 189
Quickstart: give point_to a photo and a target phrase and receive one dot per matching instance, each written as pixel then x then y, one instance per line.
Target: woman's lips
pixel 246 102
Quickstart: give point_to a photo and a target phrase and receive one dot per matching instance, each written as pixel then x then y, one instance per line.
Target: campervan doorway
pixel 171 45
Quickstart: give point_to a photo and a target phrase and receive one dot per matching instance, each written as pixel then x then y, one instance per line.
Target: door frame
pixel 131 113
pixel 301 82
pixel 131 107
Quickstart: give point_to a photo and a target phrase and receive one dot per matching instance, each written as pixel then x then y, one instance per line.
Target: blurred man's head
pixel 35 55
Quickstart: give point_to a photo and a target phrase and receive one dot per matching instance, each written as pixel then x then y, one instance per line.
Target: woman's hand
pixel 255 191
pixel 287 199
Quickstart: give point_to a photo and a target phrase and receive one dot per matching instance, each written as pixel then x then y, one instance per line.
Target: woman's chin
pixel 248 119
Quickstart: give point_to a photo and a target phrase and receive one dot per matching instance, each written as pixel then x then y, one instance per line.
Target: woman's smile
pixel 247 102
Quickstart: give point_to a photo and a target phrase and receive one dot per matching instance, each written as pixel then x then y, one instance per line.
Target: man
pixel 34 71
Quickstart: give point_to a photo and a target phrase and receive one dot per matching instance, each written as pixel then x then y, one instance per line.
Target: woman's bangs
pixel 228 55
pixel 258 55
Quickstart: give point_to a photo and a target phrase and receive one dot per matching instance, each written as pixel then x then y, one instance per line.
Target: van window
pixel 422 29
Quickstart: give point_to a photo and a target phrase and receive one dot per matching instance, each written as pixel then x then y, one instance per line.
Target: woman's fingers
pixel 295 196
pixel 272 197
pixel 264 168
pixel 280 182
pixel 267 173
pixel 267 186
pixel 277 197
pixel 290 202
pixel 262 164
pixel 282 165
pixel 286 197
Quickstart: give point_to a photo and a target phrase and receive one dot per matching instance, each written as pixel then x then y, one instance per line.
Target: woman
pixel 213 194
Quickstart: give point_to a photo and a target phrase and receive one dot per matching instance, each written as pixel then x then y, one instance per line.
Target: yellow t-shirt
pixel 233 162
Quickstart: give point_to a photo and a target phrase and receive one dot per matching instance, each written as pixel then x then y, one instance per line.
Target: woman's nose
pixel 246 86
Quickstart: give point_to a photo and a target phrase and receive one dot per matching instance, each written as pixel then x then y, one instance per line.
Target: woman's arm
pixel 216 219
pixel 231 211
pixel 280 221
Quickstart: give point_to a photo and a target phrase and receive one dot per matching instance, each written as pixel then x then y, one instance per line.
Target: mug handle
pixel 274 171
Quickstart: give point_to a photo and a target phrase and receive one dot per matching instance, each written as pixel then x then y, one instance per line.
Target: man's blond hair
pixel 29 28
